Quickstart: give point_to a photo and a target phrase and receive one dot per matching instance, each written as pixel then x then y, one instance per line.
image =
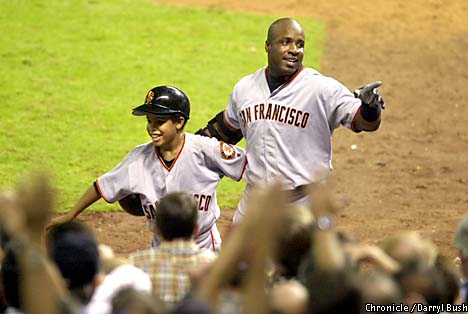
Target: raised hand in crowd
pixel 23 215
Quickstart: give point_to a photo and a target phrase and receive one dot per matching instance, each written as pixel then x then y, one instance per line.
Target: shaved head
pixel 281 21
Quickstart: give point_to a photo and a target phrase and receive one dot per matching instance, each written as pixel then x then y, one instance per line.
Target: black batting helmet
pixel 164 101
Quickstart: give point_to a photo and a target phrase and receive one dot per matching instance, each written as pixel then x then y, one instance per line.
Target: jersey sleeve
pixel 231 116
pixel 344 106
pixel 228 160
pixel 115 184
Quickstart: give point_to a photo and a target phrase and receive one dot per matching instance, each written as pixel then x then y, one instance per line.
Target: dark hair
pixel 451 276
pixel 73 248
pixel 191 305
pixel 11 274
pixel 176 216
pixel 11 277
pixel 332 292
pixel 4 239
pixel 175 118
pixel 428 282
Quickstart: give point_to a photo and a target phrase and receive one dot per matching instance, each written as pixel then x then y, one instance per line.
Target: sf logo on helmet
pixel 149 97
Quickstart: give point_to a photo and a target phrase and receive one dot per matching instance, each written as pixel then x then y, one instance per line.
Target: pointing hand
pixel 370 95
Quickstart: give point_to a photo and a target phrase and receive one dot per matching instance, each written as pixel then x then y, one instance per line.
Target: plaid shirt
pixel 168 267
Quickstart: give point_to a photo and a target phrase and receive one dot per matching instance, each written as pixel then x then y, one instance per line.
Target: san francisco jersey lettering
pixel 275 112
pixel 288 130
pixel 201 164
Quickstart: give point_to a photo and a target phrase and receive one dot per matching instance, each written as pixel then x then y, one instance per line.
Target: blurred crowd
pixel 281 258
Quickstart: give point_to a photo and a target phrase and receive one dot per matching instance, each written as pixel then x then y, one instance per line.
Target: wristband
pixel 370 114
pixel 325 223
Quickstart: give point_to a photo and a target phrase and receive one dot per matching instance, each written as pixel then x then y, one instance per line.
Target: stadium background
pixel 411 174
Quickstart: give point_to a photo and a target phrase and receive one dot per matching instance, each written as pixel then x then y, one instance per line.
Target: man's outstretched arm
pixel 368 118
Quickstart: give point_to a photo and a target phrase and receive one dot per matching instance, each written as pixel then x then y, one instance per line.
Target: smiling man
pixel 287 114
pixel 285 48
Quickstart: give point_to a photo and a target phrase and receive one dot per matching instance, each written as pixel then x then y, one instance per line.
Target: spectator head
pixel 378 288
pixel 129 300
pixel 410 249
pixel 461 238
pixel 333 292
pixel 451 276
pixel 177 216
pixel 422 285
pixel 288 297
pixel 74 250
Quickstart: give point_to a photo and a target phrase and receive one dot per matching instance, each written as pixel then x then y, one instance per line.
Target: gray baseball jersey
pixel 198 169
pixel 288 131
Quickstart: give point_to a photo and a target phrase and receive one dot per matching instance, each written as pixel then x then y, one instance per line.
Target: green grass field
pixel 70 72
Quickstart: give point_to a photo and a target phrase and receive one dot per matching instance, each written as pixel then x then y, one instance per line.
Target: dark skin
pixel 285 47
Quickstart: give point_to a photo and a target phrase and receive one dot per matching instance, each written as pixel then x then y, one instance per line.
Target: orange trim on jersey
pixel 295 75
pixel 100 192
pixel 227 123
pixel 212 241
pixel 243 170
pixel 288 81
pixel 353 122
pixel 175 160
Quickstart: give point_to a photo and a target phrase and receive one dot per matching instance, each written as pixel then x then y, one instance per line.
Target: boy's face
pixel 164 131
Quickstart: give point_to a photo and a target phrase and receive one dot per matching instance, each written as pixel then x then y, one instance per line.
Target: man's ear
pixel 267 46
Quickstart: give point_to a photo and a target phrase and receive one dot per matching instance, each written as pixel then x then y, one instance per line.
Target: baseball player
pixel 172 161
pixel 287 113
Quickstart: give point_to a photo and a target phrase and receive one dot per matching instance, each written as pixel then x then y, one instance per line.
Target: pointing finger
pixel 373 85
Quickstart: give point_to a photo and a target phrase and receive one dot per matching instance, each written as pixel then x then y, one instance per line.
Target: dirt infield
pixel 411 174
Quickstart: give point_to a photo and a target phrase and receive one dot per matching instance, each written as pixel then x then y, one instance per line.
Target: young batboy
pixel 172 161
